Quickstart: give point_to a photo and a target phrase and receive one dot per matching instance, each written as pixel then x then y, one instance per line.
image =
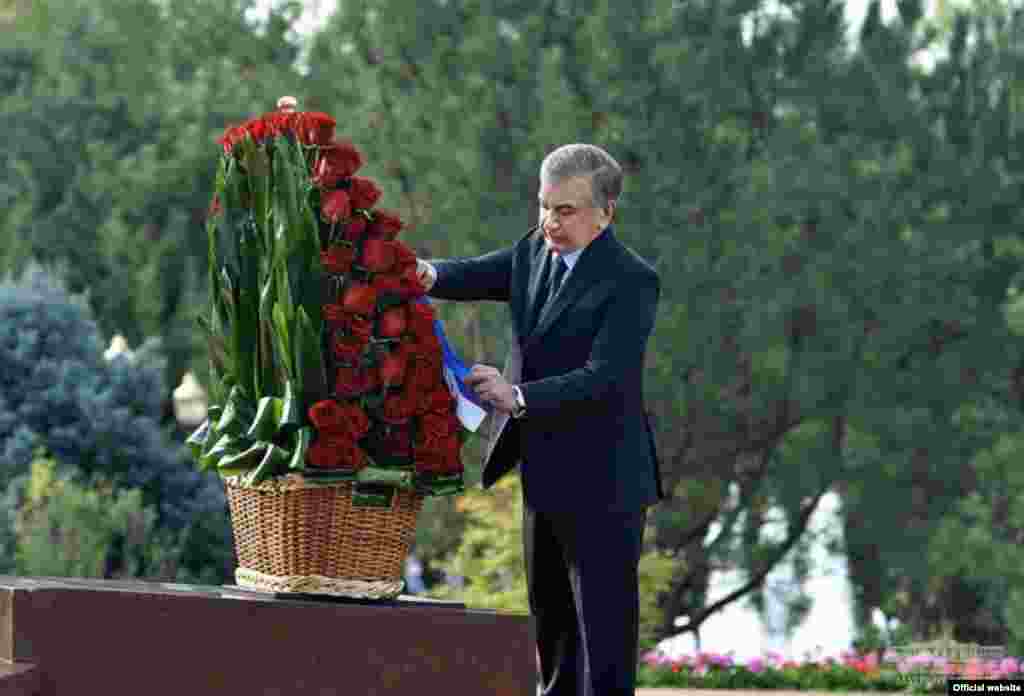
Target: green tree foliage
pixel 833 225
pixel 109 114
pixel 67 530
pixel 98 419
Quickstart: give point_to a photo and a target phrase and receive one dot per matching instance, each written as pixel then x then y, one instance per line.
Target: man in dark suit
pixel 569 411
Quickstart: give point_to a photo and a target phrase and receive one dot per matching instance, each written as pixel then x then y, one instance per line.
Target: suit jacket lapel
pixel 534 300
pixel 590 267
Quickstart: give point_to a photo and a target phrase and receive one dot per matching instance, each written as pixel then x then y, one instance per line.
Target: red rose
pixel 439 404
pixel 421 380
pixel 421 318
pixel 397 408
pixel 404 256
pixel 314 128
pixel 392 322
pixel 336 419
pixel 354 229
pixel 355 325
pixel 390 284
pixel 352 455
pixel 350 324
pixel 444 459
pixel 325 415
pixel 385 225
pixel 279 123
pixel 334 314
pixel 232 135
pixel 364 192
pixel 215 208
pixel 428 347
pixel 324 453
pixel 351 382
pixel 257 129
pixel 335 206
pixel 336 162
pixel 338 259
pixel 392 369
pixel 360 298
pixel 349 346
pixel 349 349
pixel 336 453
pixel 378 255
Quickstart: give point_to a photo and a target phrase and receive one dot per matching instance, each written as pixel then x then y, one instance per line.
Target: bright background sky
pixel 316 11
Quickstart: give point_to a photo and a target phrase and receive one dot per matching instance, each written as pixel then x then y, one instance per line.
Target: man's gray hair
pixel 591 161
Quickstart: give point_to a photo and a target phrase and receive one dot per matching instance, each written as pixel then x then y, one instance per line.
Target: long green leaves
pixel 265 318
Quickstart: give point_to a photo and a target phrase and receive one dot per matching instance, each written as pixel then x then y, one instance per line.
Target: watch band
pixel 520 409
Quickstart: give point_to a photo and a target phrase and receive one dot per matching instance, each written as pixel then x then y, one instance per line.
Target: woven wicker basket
pixel 292 536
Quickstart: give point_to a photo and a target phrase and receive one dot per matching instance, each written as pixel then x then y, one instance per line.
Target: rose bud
pixel 324 453
pixel 385 225
pixel 334 313
pixel 392 322
pixel 338 259
pixel 336 162
pixel 392 369
pixel 404 256
pixel 335 206
pixel 364 193
pixel 378 255
pixel 354 381
pixel 360 298
pixel 349 348
pixel 315 128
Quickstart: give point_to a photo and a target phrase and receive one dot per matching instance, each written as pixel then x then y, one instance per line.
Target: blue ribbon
pixel 470 409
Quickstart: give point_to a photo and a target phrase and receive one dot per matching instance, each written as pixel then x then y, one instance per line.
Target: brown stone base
pixel 74 637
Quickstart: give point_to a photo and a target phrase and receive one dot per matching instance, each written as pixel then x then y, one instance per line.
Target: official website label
pixel 984 686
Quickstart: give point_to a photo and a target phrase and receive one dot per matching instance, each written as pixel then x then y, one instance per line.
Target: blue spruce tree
pixel 97 418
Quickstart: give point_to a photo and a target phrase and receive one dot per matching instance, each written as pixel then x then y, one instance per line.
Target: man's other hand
pixel 492 388
pixel 426 274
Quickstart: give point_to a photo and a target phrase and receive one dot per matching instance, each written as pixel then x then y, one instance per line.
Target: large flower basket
pixel 291 536
pixel 332 417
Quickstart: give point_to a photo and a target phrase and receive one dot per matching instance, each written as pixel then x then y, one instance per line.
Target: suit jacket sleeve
pixel 617 352
pixel 486 277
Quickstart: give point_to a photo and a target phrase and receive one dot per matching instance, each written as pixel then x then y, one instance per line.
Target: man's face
pixel 568 216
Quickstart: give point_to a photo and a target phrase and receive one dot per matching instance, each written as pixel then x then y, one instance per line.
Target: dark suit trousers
pixel 581 573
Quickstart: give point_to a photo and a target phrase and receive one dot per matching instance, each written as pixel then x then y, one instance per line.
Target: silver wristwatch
pixel 520 409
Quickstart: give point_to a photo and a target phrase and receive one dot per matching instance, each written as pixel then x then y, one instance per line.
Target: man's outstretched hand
pixel 492 388
pixel 426 274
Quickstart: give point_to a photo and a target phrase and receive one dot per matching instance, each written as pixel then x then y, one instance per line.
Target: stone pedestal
pixel 71 637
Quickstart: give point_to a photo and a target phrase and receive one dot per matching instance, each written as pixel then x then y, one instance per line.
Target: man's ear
pixel 611 210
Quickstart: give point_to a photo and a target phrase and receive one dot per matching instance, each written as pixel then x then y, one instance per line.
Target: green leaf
pixel 313 377
pixel 236 413
pixel 303 438
pixel 273 463
pixel 226 445
pixel 197 440
pixel 268 419
pixel 291 414
pixel 282 338
pixel 245 459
